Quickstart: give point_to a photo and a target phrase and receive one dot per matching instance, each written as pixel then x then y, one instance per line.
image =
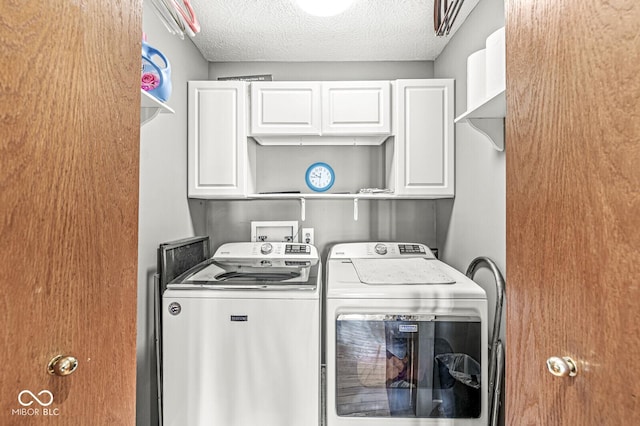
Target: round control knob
pixel 62 365
pixel 562 367
pixel 381 249
pixel 266 248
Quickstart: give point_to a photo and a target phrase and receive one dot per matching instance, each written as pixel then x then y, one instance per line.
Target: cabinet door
pixel 356 108
pixel 285 108
pixel 424 138
pixel 217 139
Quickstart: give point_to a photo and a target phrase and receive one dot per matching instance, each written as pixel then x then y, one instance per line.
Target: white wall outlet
pixel 307 236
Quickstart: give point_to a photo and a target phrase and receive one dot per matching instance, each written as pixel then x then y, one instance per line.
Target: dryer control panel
pixel 409 249
pixel 380 250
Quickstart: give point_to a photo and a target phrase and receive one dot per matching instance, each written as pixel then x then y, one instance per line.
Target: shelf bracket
pixel 150 107
pixel 355 209
pixel 490 128
pixel 147 114
pixel 303 209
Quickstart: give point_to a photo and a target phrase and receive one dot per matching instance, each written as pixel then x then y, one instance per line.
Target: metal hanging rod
pixel 445 13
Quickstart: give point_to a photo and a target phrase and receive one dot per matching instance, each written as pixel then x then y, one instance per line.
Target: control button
pixel 266 248
pixel 381 249
pixel 411 249
pixel 297 249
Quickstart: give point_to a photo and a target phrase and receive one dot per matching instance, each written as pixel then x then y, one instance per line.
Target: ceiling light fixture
pixel 324 7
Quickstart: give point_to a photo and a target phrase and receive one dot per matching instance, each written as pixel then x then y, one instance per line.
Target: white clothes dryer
pixel 406 339
pixel 241 338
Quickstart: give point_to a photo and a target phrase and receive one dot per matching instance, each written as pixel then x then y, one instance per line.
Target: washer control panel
pixel 262 250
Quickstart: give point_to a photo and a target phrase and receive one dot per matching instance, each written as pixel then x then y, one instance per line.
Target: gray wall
pixel 332 220
pixel 330 71
pixel 165 214
pixel 474 223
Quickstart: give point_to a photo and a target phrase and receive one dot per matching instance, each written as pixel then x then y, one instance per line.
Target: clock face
pixel 320 177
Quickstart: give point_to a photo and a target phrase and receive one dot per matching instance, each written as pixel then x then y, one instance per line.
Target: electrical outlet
pixel 307 235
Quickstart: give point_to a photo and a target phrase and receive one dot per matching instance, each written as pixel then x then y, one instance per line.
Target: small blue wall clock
pixel 320 177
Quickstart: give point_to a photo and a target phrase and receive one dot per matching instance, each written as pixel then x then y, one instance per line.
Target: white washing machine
pixel 406 339
pixel 241 338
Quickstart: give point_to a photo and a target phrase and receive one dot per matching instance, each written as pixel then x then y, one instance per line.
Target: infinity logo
pixel 34 397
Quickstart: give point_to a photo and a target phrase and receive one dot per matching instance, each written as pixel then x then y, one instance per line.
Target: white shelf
pixel 488 119
pixel 150 107
pixel 314 196
pixel 325 196
pixel 494 107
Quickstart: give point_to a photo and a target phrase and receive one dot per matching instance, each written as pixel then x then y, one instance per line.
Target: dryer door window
pixel 408 366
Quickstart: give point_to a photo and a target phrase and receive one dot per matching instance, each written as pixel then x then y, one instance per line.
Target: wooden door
pixel 573 210
pixel 69 149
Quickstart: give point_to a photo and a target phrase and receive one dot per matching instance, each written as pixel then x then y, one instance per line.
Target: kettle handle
pixel 151 52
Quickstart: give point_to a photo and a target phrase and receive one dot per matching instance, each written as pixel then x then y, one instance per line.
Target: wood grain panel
pixel 573 210
pixel 69 114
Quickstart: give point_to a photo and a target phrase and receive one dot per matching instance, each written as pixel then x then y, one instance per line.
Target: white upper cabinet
pixel 218 157
pixel 356 108
pixel 345 124
pixel 425 137
pixel 334 108
pixel 285 108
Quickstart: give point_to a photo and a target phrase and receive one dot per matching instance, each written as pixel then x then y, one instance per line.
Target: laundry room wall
pixel 165 212
pixel 328 71
pixel 332 220
pixel 474 223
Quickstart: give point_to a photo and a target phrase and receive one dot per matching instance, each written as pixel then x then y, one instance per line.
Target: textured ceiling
pixel 278 30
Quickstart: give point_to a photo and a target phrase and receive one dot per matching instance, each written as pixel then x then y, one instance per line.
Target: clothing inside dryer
pixel 395 366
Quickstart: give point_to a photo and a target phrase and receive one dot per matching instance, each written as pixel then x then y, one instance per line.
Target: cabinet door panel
pixel 217 138
pixel 424 161
pixel 356 107
pixel 425 137
pixel 283 108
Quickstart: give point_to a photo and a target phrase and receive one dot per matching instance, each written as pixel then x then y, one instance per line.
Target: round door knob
pixel 266 248
pixel 562 367
pixel 62 365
